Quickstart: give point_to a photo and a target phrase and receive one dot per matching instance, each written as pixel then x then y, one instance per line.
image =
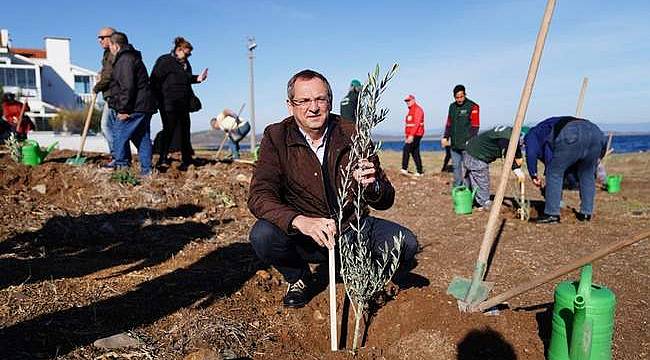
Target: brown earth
pixel 83 257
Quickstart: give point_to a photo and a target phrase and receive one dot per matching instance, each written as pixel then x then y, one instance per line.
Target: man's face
pixel 104 38
pixel 113 47
pixel 410 102
pixel 310 105
pixel 460 97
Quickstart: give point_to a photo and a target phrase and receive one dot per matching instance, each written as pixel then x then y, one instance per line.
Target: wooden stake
pixel 608 249
pixel 492 225
pixel 523 200
pixel 332 286
pixel 581 97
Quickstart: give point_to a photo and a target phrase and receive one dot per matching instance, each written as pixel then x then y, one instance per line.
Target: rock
pixel 204 354
pixel 40 188
pixel 118 341
pixel 263 274
pixel 318 316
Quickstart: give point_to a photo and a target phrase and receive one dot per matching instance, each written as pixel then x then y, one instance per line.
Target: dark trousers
pixel 445 162
pixel 171 120
pixel 412 149
pixel 579 146
pixel 291 254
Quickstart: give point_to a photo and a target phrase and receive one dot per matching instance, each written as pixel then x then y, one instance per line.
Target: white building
pixel 46 77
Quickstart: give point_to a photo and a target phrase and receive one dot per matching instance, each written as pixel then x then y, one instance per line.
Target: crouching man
pixel 480 152
pixel 294 187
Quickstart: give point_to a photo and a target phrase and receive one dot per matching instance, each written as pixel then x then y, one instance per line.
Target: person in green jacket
pixel 350 101
pixel 462 124
pixel 482 150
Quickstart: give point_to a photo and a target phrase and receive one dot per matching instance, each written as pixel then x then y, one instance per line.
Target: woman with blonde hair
pixel 171 83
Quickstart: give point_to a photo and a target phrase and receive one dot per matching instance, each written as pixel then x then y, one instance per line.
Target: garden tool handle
pixel 493 220
pixel 19 121
pixel 576 264
pixel 491 228
pixel 89 116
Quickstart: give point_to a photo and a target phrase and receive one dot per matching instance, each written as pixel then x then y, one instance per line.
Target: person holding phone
pixel 171 83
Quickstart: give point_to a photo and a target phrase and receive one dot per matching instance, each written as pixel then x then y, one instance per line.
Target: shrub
pixel 72 120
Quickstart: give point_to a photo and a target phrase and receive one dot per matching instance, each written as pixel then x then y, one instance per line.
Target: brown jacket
pixel 104 82
pixel 288 179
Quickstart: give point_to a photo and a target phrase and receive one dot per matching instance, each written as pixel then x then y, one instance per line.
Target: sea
pixel 621 144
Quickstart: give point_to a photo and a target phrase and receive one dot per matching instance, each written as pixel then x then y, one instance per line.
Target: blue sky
pixel 485 45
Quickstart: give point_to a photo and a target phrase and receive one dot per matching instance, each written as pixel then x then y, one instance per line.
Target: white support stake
pixel 332 286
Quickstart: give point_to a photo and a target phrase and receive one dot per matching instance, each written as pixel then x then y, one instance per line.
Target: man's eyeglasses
pixel 102 37
pixel 321 102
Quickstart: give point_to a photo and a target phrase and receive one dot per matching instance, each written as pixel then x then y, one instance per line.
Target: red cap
pixel 409 98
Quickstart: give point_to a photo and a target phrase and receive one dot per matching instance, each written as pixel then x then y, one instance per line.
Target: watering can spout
pixel 580 347
pixel 47 151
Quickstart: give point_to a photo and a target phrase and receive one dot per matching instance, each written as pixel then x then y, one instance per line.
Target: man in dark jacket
pixel 103 86
pixel 294 187
pixel 133 103
pixel 562 143
pixel 350 101
pixel 462 124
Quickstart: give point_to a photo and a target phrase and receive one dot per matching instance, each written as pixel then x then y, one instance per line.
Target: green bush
pixel 74 119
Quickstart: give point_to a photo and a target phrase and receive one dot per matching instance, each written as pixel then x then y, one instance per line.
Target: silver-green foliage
pixel 364 275
pixel 15 147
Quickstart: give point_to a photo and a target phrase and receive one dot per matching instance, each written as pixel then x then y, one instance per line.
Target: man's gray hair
pixel 307 75
pixel 120 39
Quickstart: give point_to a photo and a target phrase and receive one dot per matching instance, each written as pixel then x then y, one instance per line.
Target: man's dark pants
pixel 291 254
pixel 412 149
pixel 578 145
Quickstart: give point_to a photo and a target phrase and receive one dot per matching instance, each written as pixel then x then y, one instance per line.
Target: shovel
pixel 80 160
pixel 468 292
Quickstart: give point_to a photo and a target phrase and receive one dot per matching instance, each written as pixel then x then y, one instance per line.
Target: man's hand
pixel 538 182
pixel 409 139
pixel 444 142
pixel 122 116
pixel 520 174
pixel 365 172
pixel 320 229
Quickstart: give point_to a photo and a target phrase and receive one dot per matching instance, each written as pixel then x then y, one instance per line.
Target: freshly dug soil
pixel 167 263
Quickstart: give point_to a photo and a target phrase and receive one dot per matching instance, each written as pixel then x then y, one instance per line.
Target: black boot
pixel 296 296
pixel 548 219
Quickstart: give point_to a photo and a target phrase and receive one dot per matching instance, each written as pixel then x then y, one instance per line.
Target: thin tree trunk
pixel 357 321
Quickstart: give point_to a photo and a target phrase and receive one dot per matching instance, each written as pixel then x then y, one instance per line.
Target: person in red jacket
pixel 414 132
pixel 12 110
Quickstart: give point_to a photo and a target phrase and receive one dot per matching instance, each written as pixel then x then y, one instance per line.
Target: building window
pixel 21 78
pixel 82 84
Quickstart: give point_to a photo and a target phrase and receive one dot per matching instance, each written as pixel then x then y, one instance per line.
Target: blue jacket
pixel 539 143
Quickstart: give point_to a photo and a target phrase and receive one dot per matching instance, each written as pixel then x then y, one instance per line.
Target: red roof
pixel 30 53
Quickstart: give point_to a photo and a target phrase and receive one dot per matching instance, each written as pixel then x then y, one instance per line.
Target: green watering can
pixel 32 153
pixel 614 183
pixel 583 320
pixel 463 199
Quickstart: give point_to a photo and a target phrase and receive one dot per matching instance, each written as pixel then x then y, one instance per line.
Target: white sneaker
pixel 404 172
pixel 417 174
